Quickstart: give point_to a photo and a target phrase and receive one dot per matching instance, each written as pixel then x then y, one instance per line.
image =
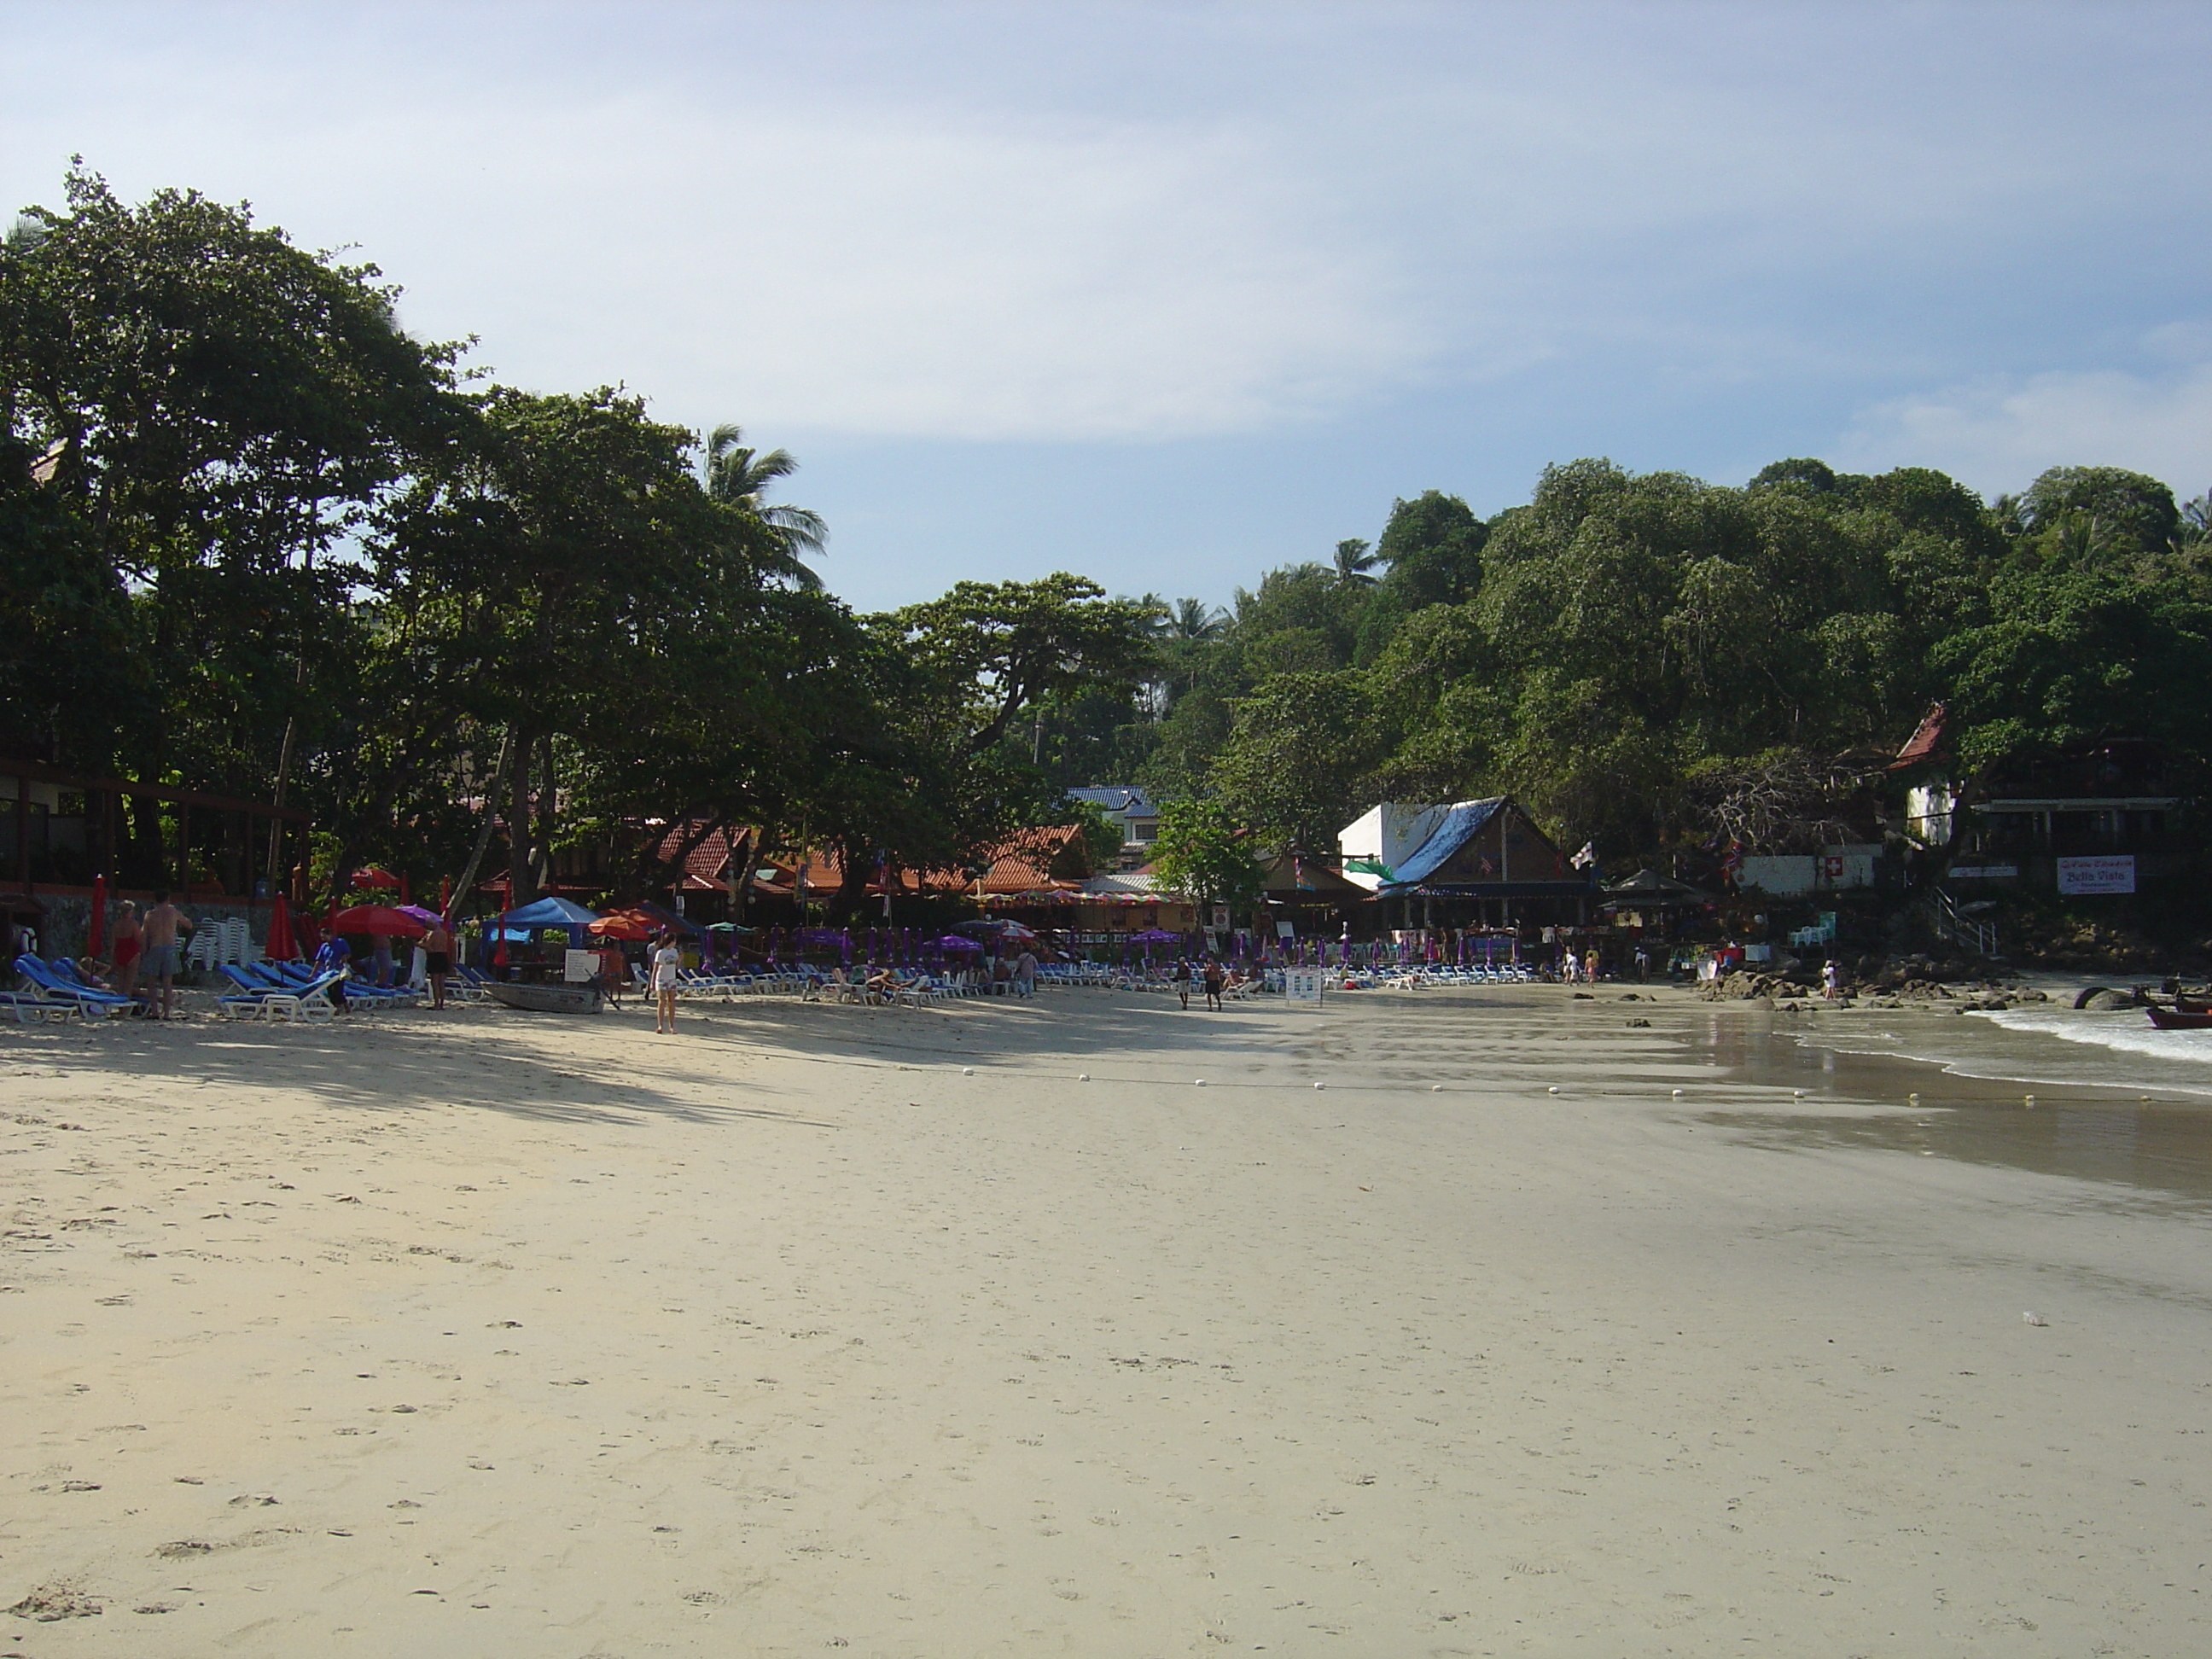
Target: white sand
pixel 493 1334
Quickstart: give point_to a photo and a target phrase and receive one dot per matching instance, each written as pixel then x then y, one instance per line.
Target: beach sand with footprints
pixel 821 1329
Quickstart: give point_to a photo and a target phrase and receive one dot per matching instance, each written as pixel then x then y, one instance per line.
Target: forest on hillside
pixel 1645 659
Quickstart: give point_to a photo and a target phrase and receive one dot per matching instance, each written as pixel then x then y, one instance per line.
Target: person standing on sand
pixel 159 954
pixel 666 961
pixel 1182 980
pixel 1832 985
pixel 437 959
pixel 1025 967
pixel 129 941
pixel 1215 979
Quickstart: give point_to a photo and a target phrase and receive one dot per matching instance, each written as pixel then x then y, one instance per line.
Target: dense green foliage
pixel 1639 657
pixel 255 539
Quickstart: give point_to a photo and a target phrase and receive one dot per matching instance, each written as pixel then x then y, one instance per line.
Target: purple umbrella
pixel 955 942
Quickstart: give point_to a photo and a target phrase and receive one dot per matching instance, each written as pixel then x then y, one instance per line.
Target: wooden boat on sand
pixel 545 998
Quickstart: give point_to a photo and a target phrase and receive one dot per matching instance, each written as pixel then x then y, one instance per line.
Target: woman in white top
pixel 666 959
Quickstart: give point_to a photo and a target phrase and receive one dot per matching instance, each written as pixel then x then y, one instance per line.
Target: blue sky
pixel 1171 294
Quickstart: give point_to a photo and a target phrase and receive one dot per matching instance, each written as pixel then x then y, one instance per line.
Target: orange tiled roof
pixel 1022 863
pixel 1926 741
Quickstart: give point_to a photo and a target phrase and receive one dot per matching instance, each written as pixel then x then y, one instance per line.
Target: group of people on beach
pixel 144 953
pixel 1211 977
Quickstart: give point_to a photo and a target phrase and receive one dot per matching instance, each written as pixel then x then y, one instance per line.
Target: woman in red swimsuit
pixel 128 941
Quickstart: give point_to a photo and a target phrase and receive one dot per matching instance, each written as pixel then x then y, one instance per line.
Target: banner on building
pixel 2109 873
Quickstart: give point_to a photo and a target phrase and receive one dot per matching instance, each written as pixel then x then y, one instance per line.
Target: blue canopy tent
pixel 550 912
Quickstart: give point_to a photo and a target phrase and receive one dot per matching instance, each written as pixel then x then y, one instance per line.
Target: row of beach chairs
pixel 291 992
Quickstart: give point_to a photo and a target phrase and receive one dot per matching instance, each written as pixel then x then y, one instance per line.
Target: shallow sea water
pixel 2115 1101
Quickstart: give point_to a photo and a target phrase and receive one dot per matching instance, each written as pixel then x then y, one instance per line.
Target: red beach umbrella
pixel 375 918
pixel 623 924
pixel 375 879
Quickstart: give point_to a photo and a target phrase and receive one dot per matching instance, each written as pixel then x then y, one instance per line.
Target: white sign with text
pixel 2109 873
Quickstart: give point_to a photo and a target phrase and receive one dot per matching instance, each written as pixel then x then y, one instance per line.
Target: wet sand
pixel 492 1333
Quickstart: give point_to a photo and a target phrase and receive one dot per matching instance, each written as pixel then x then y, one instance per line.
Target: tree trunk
pixel 737 871
pixel 491 817
pixel 519 892
pixel 284 777
pixel 546 787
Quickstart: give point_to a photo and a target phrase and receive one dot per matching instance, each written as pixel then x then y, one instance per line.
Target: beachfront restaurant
pixel 68 840
pixel 1485 864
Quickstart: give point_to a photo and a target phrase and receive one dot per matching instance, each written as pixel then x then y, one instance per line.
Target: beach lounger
pixel 43 981
pixel 307 1004
pixel 27 1006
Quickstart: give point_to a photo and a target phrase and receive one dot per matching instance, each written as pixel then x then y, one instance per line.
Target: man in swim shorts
pixel 159 958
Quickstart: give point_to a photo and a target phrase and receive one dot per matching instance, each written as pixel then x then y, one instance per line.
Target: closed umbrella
pixel 279 945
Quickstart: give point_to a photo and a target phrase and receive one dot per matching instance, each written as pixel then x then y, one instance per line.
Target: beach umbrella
pixel 623 924
pixel 95 940
pixel 955 942
pixel 374 878
pixel 381 919
pixel 280 945
pixel 428 918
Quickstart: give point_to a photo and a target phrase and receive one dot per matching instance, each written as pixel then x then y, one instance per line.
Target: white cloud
pixel 1998 434
pixel 839 264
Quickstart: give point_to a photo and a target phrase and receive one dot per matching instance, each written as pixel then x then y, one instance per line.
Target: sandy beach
pixel 819 1328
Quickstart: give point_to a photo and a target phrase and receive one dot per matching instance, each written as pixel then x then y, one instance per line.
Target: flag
pixel 1732 863
pixel 1587 857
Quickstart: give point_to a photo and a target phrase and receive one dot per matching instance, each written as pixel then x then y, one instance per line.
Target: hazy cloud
pixel 1999 434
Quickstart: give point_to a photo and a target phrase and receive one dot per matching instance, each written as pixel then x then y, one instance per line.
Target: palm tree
pixel 1194 622
pixel 1189 626
pixel 1353 561
pixel 736 475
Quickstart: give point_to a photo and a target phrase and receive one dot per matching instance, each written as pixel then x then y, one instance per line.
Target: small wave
pixel 2126 1030
pixel 2050 1045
